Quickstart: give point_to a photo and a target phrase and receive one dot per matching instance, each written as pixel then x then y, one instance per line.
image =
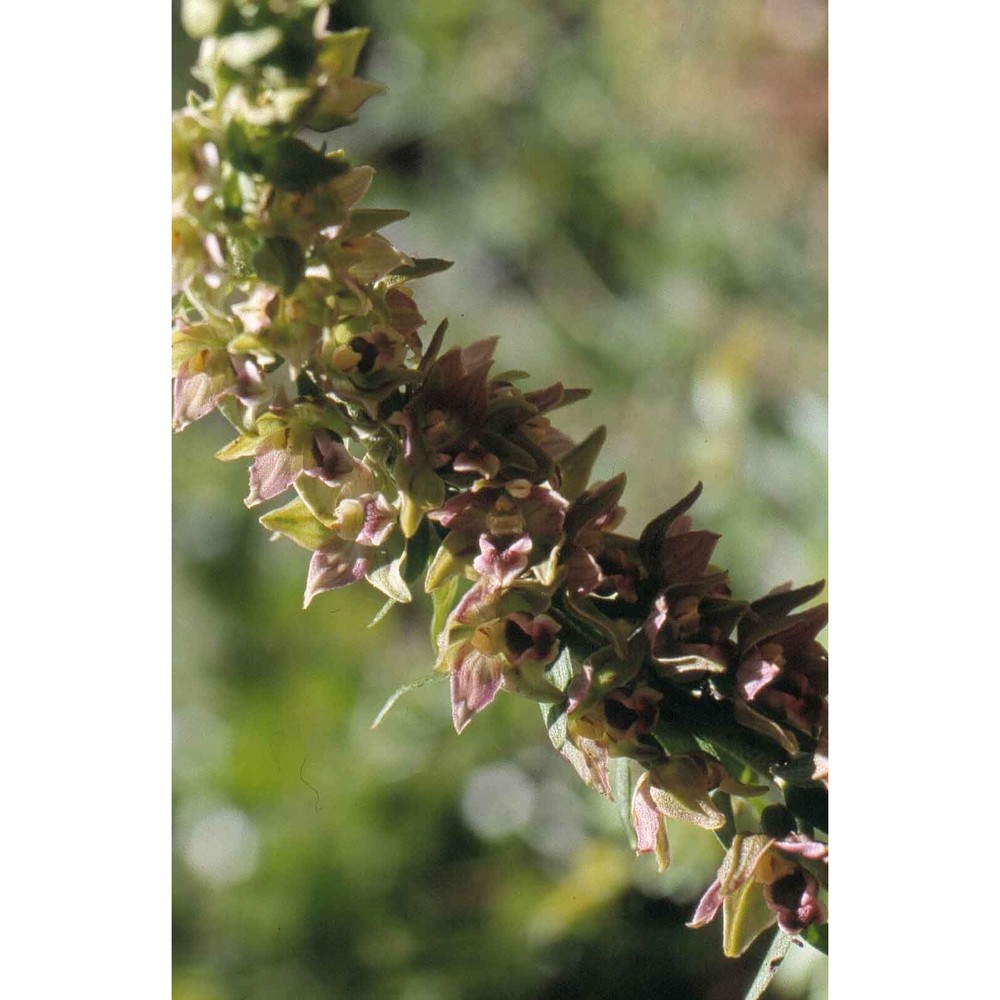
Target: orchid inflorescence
pixel 294 317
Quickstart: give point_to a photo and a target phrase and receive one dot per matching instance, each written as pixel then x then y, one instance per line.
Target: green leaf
pixel 584 608
pixel 382 612
pixel 390 581
pixel 577 464
pixel 319 498
pixel 405 689
pixel 422 490
pixel 421 268
pixel 724 804
pixel 297 522
pixel 651 539
pixel 368 220
pixel 759 723
pixel 281 262
pixel 554 716
pixel 810 804
pixel 620 772
pixel 294 165
pixel 418 550
pixel 339 52
pixel 434 346
pixel 818 936
pixel 240 147
pixel 240 251
pixel 445 564
pixel 229 407
pixel 560 673
pixel 783 603
pixel 745 916
pixel 774 957
pixel 673 740
pixel 443 600
pixel 244 446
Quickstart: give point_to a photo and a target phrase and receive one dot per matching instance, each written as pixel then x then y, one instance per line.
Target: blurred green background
pixel 634 192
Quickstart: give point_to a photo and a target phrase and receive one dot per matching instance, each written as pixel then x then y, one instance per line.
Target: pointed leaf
pixel 745 916
pixel 560 673
pixel 577 464
pixel 586 609
pixel 783 602
pixel 243 447
pixel 554 716
pixel 445 564
pixel 752 719
pixel 405 689
pixel 443 600
pixel 772 960
pixel 340 50
pixel 651 539
pixel 434 346
pixel 281 262
pixel 390 581
pixel 421 268
pixel 418 548
pixel 382 612
pixel 296 521
pixel 568 397
pixel 592 503
pixel 620 769
pixel 724 804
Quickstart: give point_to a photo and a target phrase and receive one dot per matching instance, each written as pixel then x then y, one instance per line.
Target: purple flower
pixel 783 670
pixel 594 564
pixel 500 512
pixel 500 653
pixel 794 899
pixel 679 788
pixel 336 564
pixel 475 458
pixel 201 381
pixel 333 461
pixel 476 676
pixel 499 566
pixel 530 639
pixel 277 464
pixel 362 525
pixel 631 714
pixel 757 863
pixel 688 634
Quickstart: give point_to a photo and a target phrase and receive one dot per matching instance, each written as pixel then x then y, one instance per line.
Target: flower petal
pixel 755 673
pixel 474 684
pixel 335 565
pixel 273 471
pixel 650 827
pixel 679 789
pixel 708 906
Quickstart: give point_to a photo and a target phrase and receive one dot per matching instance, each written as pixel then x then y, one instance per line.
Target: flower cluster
pixel 295 319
